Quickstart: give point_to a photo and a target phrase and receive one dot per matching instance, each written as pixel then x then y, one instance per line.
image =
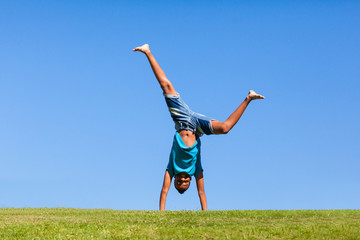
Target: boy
pixel 184 160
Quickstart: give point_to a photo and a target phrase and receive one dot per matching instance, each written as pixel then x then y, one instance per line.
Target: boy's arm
pixel 201 190
pixel 164 190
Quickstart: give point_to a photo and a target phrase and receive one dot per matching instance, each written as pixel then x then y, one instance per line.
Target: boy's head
pixel 182 182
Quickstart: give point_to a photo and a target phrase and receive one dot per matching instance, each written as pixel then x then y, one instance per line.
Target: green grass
pixel 62 223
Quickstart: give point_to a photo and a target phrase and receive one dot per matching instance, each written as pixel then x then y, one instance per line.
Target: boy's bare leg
pixel 165 84
pixel 187 136
pixel 225 127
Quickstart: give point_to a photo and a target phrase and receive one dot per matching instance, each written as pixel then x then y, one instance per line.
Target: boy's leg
pixel 225 127
pixel 165 84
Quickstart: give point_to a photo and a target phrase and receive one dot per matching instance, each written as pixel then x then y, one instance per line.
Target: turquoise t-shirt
pixel 183 158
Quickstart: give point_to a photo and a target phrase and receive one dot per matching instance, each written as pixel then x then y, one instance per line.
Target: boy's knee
pixel 220 127
pixel 167 88
pixel 226 128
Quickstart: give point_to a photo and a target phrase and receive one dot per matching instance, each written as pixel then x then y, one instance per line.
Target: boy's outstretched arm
pixel 201 190
pixel 165 190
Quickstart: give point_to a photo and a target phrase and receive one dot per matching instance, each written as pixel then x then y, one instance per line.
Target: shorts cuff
pixel 172 95
pixel 211 127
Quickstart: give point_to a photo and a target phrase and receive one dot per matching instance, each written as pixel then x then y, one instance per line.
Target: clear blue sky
pixel 83 122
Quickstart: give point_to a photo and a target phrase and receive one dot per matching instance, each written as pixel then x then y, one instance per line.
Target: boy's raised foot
pixel 144 48
pixel 253 95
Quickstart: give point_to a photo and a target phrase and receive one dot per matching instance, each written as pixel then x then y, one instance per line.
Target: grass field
pixel 62 223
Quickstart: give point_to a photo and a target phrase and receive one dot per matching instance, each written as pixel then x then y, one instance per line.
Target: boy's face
pixel 182 181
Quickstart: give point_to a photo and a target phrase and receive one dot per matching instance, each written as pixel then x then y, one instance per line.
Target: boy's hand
pixel 201 190
pixel 164 190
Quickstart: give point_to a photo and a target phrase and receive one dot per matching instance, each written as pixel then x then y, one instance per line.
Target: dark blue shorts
pixel 185 119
